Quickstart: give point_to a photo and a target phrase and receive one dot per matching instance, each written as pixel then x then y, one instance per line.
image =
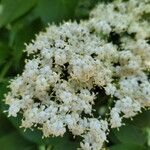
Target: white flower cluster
pixel 69 65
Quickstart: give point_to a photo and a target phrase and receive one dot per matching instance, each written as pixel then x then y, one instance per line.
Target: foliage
pixel 20 20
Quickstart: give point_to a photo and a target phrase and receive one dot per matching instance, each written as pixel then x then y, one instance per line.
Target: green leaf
pixel 12 10
pixel 130 134
pixel 127 147
pixel 23 35
pixel 14 141
pixel 55 10
pixel 5 69
pixel 83 8
pixel 5 125
pixel 57 142
pixel 3 89
pixel 66 145
pixel 141 120
pixel 4 53
pixel 36 137
pixel 148 136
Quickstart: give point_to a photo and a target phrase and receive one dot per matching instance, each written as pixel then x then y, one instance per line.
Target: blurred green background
pixel 20 20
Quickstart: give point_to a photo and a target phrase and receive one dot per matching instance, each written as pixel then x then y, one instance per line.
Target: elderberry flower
pixel 75 67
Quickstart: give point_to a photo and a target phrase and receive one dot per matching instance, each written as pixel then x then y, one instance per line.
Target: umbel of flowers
pixel 71 64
